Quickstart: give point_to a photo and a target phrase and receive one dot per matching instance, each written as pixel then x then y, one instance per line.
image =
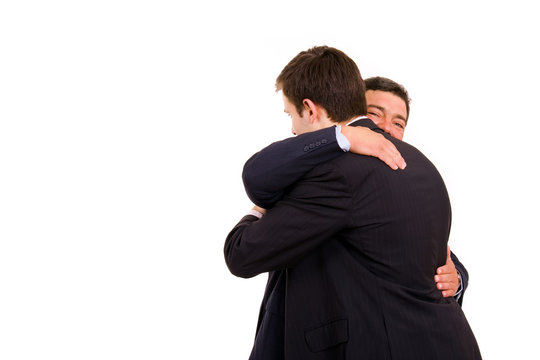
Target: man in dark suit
pixel 272 170
pixel 355 244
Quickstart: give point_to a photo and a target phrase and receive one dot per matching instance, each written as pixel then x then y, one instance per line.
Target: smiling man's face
pixel 387 111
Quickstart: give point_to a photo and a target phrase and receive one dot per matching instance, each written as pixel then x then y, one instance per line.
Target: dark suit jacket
pixel 355 246
pixel 269 173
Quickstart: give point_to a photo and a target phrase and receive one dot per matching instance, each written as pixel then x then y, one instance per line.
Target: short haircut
pixel 385 84
pixel 329 78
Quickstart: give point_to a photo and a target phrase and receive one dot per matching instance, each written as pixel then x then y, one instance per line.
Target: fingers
pixel 449 267
pixel 448 293
pixel 389 160
pixel 447 283
pixel 445 279
pixel 445 269
pixel 366 142
pixel 399 160
pixel 390 155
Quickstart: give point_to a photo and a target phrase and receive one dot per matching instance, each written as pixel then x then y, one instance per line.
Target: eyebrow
pixel 377 107
pixel 401 117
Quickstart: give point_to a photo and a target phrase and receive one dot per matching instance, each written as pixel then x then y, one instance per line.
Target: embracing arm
pixel 291 229
pixel 268 173
pixel 452 278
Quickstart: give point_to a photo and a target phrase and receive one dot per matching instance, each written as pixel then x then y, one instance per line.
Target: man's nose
pixel 385 125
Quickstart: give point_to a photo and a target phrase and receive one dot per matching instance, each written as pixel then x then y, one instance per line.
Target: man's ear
pixel 312 109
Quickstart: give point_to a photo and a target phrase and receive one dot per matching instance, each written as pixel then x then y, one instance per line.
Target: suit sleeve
pixel 464 275
pixel 313 211
pixel 271 171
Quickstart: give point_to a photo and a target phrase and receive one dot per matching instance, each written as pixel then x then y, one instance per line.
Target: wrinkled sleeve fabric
pixel 311 213
pixel 464 277
pixel 268 174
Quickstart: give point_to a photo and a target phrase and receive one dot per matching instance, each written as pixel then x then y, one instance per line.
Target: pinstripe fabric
pixel 353 247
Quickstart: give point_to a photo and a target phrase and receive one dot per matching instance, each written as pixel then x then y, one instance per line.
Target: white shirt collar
pixel 356 119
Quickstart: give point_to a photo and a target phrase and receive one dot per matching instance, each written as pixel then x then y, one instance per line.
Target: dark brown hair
pixel 384 84
pixel 329 78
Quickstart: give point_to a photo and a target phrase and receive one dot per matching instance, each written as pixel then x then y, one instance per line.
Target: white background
pixel 125 125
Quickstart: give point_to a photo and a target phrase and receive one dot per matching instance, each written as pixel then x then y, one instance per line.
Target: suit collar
pixel 365 122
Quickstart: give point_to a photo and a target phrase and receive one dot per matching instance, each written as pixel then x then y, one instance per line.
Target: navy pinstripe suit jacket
pixel 352 248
